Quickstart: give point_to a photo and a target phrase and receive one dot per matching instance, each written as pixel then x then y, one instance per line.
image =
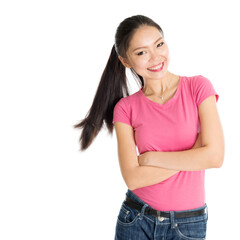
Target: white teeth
pixel 156 68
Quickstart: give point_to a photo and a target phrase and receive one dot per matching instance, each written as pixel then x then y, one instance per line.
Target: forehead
pixel 144 36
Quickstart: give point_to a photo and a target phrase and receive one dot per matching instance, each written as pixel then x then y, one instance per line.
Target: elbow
pixel 131 184
pixel 131 187
pixel 219 161
pixel 132 181
pixel 218 158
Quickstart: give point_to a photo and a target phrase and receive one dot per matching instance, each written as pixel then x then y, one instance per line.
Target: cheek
pixel 166 52
pixel 140 63
pixel 168 57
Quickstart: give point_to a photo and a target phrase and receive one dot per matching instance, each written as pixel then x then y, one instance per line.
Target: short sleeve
pixel 121 112
pixel 203 89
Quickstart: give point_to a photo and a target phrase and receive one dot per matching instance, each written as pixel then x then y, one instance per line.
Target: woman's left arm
pixel 209 155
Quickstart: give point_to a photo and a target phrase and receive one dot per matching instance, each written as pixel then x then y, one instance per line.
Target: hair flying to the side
pixel 113 83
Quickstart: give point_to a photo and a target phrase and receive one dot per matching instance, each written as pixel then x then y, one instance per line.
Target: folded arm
pixel 134 175
pixel 209 155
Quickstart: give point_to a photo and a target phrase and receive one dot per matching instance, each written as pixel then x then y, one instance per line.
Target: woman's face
pixel 148 53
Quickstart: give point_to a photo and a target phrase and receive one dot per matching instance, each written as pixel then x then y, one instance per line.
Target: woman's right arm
pixel 136 176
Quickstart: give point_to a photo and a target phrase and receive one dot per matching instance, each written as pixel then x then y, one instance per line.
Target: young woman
pixel 173 121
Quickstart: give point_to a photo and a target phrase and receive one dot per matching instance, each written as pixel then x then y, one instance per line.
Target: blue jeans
pixel 135 225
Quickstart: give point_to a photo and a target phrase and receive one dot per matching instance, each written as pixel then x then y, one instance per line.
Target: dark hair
pixel 113 83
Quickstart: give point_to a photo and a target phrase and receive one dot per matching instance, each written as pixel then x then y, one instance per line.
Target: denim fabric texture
pixel 136 225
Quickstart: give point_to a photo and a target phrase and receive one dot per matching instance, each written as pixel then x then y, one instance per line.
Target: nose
pixel 154 56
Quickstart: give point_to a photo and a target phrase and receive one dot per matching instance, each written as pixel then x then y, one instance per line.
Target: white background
pixel 52 54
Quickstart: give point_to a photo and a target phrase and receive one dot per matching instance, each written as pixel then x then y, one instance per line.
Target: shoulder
pixel 197 83
pixel 195 79
pixel 124 108
pixel 133 97
pixel 202 89
pixel 129 101
pixel 200 80
pixel 127 104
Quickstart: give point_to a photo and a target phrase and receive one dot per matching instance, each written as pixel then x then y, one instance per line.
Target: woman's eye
pixel 160 44
pixel 140 53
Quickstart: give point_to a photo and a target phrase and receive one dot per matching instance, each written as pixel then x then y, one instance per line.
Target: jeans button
pixel 160 219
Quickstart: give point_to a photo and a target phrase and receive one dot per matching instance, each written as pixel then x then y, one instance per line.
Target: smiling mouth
pixel 157 67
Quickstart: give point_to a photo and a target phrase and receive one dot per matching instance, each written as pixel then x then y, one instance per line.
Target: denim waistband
pixel 135 198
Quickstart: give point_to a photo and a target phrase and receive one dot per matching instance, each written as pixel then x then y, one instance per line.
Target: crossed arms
pixel 153 167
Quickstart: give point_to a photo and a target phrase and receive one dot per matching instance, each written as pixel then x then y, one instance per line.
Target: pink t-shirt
pixel 168 127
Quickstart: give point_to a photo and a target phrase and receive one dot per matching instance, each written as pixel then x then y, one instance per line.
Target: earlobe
pixel 124 62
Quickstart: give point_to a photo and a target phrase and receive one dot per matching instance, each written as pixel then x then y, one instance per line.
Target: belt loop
pixel 172 219
pixel 142 211
pixel 206 210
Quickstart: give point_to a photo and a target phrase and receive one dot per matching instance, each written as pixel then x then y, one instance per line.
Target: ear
pixel 124 61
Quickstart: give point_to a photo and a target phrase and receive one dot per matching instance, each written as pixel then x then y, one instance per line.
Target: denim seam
pixel 192 221
pixel 143 211
pixel 176 220
pixel 172 220
pixel 155 230
pixel 126 212
pixel 165 234
pixel 185 237
pixel 148 218
pixel 128 224
pixel 123 208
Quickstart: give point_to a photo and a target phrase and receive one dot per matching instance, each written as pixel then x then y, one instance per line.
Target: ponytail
pixel 112 87
pixel 113 83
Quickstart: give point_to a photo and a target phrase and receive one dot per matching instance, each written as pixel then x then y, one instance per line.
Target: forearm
pixel 189 160
pixel 142 176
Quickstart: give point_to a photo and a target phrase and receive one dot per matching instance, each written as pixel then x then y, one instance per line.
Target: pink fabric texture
pixel 168 127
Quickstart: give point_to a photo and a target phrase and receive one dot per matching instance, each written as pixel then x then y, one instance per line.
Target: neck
pixel 158 87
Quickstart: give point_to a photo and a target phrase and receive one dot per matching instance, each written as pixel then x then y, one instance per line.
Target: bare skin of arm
pixel 134 175
pixel 209 155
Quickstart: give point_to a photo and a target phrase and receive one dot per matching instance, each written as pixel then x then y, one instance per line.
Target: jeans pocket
pixel 192 230
pixel 127 216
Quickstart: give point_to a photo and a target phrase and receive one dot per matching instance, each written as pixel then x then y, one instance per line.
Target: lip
pixel 157 70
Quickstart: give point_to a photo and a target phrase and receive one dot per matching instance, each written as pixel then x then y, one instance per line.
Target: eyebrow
pixel 146 46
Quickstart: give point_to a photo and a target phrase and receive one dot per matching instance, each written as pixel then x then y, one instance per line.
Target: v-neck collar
pixel 169 102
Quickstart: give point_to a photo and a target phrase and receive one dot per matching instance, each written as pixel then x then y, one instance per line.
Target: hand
pixel 198 142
